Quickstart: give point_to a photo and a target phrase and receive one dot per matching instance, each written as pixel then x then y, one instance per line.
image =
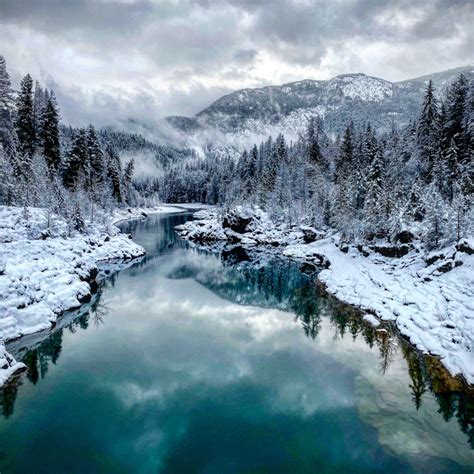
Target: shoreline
pixel 43 277
pixel 428 296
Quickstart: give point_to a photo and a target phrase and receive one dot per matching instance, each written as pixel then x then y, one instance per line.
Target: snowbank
pixel 44 271
pixel 429 296
pixel 120 215
pixel 8 365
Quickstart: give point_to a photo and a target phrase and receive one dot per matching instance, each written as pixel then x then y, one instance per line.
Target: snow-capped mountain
pixel 248 115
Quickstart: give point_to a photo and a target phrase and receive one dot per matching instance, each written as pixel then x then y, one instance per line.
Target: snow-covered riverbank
pixel 429 296
pixel 46 270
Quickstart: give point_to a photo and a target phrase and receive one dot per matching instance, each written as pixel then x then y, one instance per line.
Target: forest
pixel 417 178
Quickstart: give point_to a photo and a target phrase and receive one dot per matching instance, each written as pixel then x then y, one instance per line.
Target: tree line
pixel 72 174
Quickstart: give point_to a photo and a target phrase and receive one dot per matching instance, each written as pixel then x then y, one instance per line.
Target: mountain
pixel 250 114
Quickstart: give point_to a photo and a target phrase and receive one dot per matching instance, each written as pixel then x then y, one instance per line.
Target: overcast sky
pixel 110 60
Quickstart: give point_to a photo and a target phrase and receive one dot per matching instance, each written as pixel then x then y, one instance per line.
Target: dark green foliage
pixel 50 135
pixel 25 124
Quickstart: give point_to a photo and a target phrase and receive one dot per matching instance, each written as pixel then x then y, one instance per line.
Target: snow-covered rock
pixel 8 365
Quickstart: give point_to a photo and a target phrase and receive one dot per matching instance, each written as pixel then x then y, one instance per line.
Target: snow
pixel 8 365
pixel 46 272
pixel 362 87
pixel 432 303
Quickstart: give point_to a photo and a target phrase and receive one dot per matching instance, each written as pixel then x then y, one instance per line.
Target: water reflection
pixel 258 279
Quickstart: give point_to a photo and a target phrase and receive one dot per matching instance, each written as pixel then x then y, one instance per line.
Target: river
pixel 233 361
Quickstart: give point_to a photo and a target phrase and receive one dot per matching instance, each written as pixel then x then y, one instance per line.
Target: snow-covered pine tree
pixel 39 105
pixel 8 138
pixel 435 223
pixel 453 172
pixel 314 151
pixel 456 108
pixel 50 135
pixel 374 212
pixel 346 155
pixel 25 123
pixel 114 173
pixel 428 132
pixel 127 181
pixel 75 160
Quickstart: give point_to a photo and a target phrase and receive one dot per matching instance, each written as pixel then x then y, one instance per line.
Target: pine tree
pixel 435 221
pixel 25 123
pixel 76 159
pixel 281 149
pixel 50 135
pixel 8 138
pixel 314 151
pixel 39 105
pixel 374 206
pixel 346 155
pixel 114 171
pixel 127 180
pixel 453 169
pixel 456 108
pixel 5 86
pixel 96 156
pixel 428 132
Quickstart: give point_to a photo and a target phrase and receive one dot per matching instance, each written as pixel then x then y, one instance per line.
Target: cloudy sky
pixel 110 61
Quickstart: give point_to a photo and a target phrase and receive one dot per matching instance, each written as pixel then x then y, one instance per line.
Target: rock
pixel 235 254
pixel 233 237
pixel 237 220
pixel 308 269
pixel 310 234
pixel 363 250
pixel 404 237
pixel 392 251
pixel 343 247
pixel 433 258
pixel 446 267
pixel 465 246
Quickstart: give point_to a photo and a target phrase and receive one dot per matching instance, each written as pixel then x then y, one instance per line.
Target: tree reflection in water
pixel 253 277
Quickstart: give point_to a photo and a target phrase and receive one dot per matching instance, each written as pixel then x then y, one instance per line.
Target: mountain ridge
pixel 252 113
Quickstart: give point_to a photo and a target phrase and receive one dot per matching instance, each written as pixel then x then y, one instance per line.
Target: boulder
pixel 465 246
pixel 404 237
pixel 310 234
pixel 237 220
pixel 392 251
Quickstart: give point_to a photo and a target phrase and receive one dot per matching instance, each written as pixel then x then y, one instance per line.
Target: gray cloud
pixel 114 61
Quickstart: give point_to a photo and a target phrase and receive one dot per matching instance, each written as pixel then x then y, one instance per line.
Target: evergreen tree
pixel 96 156
pixel 114 171
pixel 8 138
pixel 75 161
pixel 435 221
pixel 374 207
pixel 50 135
pixel 428 132
pixel 25 123
pixel 314 151
pixel 39 105
pixel 127 180
pixel 346 155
